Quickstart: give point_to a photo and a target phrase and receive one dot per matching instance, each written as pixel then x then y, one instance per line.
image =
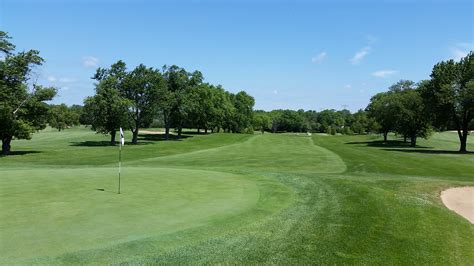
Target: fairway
pixel 229 198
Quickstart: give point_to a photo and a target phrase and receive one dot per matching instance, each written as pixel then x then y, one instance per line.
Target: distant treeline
pixel 326 121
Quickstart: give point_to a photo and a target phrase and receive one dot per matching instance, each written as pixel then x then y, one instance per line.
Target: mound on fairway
pixel 460 200
pixel 233 199
pixel 51 212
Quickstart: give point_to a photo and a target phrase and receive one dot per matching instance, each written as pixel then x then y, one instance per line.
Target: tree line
pixel 328 121
pixel 180 99
pixel 411 110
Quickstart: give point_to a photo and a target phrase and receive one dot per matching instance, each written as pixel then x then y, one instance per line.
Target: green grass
pixel 228 198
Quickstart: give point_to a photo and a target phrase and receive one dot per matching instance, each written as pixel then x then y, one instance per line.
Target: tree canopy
pixel 23 107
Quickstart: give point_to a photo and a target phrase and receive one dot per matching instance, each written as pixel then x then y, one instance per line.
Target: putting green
pixel 51 212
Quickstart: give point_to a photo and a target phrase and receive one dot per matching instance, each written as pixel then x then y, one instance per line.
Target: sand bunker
pixel 460 200
pixel 151 132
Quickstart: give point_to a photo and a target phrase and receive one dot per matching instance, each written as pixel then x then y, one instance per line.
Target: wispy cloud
pixel 348 86
pixel 384 73
pixel 90 61
pixel 52 78
pixel 359 55
pixel 275 92
pixel 67 80
pixel 460 50
pixel 319 58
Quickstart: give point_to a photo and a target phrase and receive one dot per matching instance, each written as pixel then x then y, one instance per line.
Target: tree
pixel 142 88
pixel 201 107
pixel 384 108
pixel 413 120
pixel 22 110
pixel 243 104
pixel 261 121
pixel 61 117
pixel 107 110
pixel 175 104
pixel 450 95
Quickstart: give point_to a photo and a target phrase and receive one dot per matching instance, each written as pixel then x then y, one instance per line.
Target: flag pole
pixel 122 142
pixel 120 166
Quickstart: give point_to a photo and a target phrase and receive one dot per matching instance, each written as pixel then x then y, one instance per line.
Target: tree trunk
pixel 167 125
pixel 385 136
pixel 167 132
pixel 199 130
pixel 112 137
pixel 6 145
pixel 205 131
pixel 405 138
pixel 413 141
pixel 263 131
pixel 135 136
pixel 463 140
pixel 180 130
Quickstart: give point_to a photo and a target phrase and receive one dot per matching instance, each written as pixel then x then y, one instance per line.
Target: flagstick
pixel 120 165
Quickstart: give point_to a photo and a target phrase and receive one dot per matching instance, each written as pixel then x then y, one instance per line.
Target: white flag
pixel 122 140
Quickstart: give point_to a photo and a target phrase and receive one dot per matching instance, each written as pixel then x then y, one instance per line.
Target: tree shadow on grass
pixel 386 144
pixel 401 146
pixel 430 151
pixel 103 143
pixel 161 137
pixel 14 153
pixel 190 132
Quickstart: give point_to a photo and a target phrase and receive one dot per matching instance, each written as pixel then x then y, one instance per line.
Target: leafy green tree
pixel 201 106
pixel 384 108
pixel 223 109
pixel 107 110
pixel 361 122
pixel 61 117
pixel 243 116
pixel 22 111
pixel 142 88
pixel 450 95
pixel 413 120
pixel 175 105
pixel 262 121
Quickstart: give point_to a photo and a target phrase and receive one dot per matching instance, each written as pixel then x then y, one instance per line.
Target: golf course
pixel 233 198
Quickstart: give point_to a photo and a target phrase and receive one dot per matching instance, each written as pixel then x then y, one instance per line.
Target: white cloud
pixel 90 61
pixel 460 50
pixel 67 80
pixel 319 58
pixel 384 73
pixel 348 86
pixel 359 55
pixel 52 78
pixel 275 92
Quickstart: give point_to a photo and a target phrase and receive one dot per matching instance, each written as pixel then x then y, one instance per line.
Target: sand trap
pixel 460 200
pixel 152 132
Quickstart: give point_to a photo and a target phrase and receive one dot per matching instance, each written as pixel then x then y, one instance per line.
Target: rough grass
pixel 235 199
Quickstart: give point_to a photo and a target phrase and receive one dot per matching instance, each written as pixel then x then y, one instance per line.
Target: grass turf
pixel 226 198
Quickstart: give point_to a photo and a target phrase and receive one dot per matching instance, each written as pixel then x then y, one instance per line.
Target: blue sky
pixel 287 54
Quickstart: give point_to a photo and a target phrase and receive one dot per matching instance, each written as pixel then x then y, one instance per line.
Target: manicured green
pixel 230 198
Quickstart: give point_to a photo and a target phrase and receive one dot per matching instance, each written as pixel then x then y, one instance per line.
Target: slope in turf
pixel 50 212
pixel 383 208
pixel 270 153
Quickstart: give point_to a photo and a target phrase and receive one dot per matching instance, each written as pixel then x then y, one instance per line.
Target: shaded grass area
pixel 435 158
pixel 274 199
